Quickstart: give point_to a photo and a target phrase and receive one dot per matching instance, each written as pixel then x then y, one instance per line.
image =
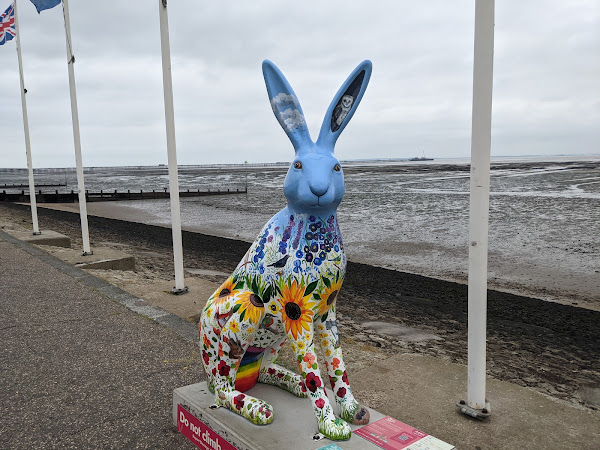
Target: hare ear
pixel 286 106
pixel 344 105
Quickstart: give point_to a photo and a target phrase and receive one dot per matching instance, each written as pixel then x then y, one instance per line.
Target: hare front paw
pixel 335 429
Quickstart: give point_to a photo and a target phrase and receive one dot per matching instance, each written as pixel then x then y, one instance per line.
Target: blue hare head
pixel 315 181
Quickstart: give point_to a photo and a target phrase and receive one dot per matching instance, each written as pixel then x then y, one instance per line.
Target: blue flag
pixel 41 5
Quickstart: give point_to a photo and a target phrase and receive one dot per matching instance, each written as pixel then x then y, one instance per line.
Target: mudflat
pixel 551 347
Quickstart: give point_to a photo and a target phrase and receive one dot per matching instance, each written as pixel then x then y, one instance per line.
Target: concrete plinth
pixel 159 293
pixel 48 237
pixel 102 258
pixel 294 426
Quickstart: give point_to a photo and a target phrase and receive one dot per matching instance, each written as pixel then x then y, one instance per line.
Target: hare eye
pixel 337 168
pixel 297 165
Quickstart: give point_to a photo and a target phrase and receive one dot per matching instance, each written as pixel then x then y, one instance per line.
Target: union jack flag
pixel 7 25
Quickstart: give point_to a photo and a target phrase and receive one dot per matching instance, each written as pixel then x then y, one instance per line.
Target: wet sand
pixel 535 274
pixel 551 347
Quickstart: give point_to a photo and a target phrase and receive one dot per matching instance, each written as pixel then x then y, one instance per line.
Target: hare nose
pixel 319 190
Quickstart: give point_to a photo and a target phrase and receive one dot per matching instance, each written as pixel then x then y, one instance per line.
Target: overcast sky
pixel 546 79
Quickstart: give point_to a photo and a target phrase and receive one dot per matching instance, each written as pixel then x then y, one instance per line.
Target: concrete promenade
pixel 84 364
pixel 79 370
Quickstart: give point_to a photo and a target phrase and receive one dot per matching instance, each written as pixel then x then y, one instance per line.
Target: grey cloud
pixel 546 94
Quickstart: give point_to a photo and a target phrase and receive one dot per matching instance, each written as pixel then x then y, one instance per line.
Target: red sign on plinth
pixel 391 434
pixel 200 434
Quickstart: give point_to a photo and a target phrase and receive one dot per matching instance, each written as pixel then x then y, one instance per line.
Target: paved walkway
pixel 79 370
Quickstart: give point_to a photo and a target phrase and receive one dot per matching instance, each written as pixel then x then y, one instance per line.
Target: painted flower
pixel 335 363
pixel 341 392
pixel 319 403
pixel 251 305
pixel 297 309
pixel 313 382
pixel 238 401
pixel 214 371
pixel 224 292
pixel 302 386
pixel 309 358
pixel 345 377
pixel 206 341
pixel 205 357
pixel 234 326
pixel 329 295
pixel 271 371
pixel 223 369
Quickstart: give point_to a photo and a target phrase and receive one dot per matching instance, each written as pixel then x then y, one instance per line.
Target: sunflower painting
pixel 251 307
pixel 326 298
pixel 224 292
pixel 296 308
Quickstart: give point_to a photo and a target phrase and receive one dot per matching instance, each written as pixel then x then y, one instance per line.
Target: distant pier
pixel 107 196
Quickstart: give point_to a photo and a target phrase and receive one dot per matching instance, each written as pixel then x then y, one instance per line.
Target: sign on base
pixel 391 434
pixel 199 433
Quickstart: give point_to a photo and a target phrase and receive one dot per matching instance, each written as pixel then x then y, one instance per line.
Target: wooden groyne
pixel 38 185
pixel 107 196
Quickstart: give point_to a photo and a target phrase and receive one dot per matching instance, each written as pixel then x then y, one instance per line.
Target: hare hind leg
pixel 232 343
pixel 275 375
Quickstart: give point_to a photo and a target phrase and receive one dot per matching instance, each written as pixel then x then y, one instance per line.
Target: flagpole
pixel 32 200
pixel 76 137
pixel 481 134
pixel 180 287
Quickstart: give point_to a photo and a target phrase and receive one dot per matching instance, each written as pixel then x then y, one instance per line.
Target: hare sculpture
pixel 286 286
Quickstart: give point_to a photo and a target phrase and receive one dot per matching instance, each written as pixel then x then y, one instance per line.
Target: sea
pixel 412 216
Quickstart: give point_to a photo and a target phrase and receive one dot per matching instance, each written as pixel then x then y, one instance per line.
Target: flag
pixel 41 5
pixel 7 25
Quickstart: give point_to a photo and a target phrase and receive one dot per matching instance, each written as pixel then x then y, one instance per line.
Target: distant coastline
pixel 438 160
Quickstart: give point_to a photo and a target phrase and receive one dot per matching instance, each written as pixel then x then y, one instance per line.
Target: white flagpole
pixel 481 135
pixel 75 117
pixel 33 204
pixel 171 149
